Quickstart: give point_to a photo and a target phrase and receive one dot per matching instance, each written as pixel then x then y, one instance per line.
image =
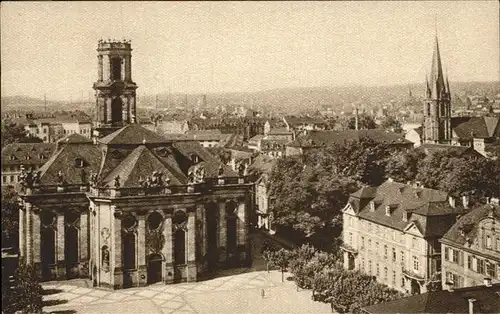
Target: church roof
pixel 74 139
pixel 318 138
pixel 478 127
pixel 139 165
pixel 133 134
pixel 451 149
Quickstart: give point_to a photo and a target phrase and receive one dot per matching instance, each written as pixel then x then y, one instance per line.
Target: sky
pixel 202 47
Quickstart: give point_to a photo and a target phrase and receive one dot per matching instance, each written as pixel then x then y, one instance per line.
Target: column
pixel 22 239
pixel 168 252
pixel 83 240
pixel 61 263
pixel 242 224
pixel 106 68
pixel 99 68
pixel 29 235
pixel 35 225
pixel 141 250
pixel 191 247
pixel 222 231
pixel 132 109
pixel 116 256
pixel 128 68
pixel 124 100
pixel 191 238
pixel 122 71
pixel 108 109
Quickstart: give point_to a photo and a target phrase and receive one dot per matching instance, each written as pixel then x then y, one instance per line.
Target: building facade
pixel 437 104
pixel 471 248
pixel 392 232
pixel 133 207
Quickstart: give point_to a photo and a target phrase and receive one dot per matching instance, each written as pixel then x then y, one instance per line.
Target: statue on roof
pixel 191 176
pixel 117 181
pixel 199 174
pixel 241 169
pixel 93 179
pixel 36 178
pixel 83 176
pixel 156 178
pixel 60 178
pixel 221 171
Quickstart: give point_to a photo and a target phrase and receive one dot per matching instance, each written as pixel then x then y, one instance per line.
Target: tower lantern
pixel 115 90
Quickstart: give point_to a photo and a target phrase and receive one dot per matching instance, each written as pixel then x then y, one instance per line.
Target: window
pixel 362 264
pixel 378 271
pixel 402 257
pixel 45 131
pixel 454 256
pixel 4 179
pixel 469 262
pixel 387 210
pixel 394 255
pixel 385 251
pixel 180 247
pixel 474 263
pixel 490 269
pixel 480 266
pixel 376 248
pixel 393 277
pixel 362 243
pixel 414 243
pixel 488 242
pixel 385 273
pixel 370 267
pixel 11 178
pixel 402 281
pixel 498 244
pixel 350 238
pixel 415 263
pixel 369 244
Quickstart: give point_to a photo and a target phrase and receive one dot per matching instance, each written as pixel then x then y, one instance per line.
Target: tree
pixel 403 166
pixel 280 259
pixel 364 122
pixel 391 124
pixel 15 133
pixel 26 293
pixel 10 217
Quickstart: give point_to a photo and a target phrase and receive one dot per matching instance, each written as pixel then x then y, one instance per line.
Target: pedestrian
pixel 262 293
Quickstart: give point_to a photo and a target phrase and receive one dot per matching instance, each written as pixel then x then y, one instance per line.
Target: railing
pixel 207 185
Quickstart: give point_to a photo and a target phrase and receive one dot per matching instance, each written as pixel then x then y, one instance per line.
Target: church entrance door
pixel 154 268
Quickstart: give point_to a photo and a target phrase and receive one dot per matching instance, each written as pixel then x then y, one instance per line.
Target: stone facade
pixel 471 249
pixel 398 245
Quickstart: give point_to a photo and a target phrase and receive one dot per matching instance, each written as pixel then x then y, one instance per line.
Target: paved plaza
pixel 237 293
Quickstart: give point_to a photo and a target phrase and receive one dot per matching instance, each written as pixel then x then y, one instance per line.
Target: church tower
pixel 437 108
pixel 115 90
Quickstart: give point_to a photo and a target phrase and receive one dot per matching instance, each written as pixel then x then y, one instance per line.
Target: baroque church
pixel 130 207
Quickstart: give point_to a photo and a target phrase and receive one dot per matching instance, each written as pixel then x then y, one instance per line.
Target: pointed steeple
pixel 427 87
pixel 436 79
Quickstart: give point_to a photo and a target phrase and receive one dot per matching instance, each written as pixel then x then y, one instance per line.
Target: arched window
pixel 180 247
pixel 48 242
pixel 116 68
pixel 180 219
pixel 129 224
pixel 488 242
pixel 72 225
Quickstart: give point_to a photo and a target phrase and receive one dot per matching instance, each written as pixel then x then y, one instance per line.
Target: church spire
pixel 436 79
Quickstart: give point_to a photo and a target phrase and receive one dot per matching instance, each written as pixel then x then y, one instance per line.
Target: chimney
pixel 451 200
pixel 94 140
pixel 465 201
pixel 494 201
pixel 471 305
pixel 449 286
pixel 487 282
pixel 356 119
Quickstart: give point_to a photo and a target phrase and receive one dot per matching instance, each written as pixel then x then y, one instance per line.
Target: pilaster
pixel 29 234
pixel 141 251
pixel 168 274
pixel 84 244
pixel 116 262
pixel 22 238
pixel 61 262
pixel 35 226
pixel 242 224
pixel 108 109
pixel 222 232
pixel 99 68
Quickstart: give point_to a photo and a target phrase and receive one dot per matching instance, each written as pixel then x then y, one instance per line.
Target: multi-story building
pixel 30 156
pixel 471 248
pixel 131 208
pixel 392 232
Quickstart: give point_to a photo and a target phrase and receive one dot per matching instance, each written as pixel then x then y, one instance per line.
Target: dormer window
pixel 41 156
pixel 195 158
pixel 488 242
pixel 387 210
pixel 27 157
pixel 372 206
pixel 12 157
pixel 79 163
pixel 405 216
pixel 418 194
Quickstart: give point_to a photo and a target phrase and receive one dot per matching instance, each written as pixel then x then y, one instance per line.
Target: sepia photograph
pixel 257 157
